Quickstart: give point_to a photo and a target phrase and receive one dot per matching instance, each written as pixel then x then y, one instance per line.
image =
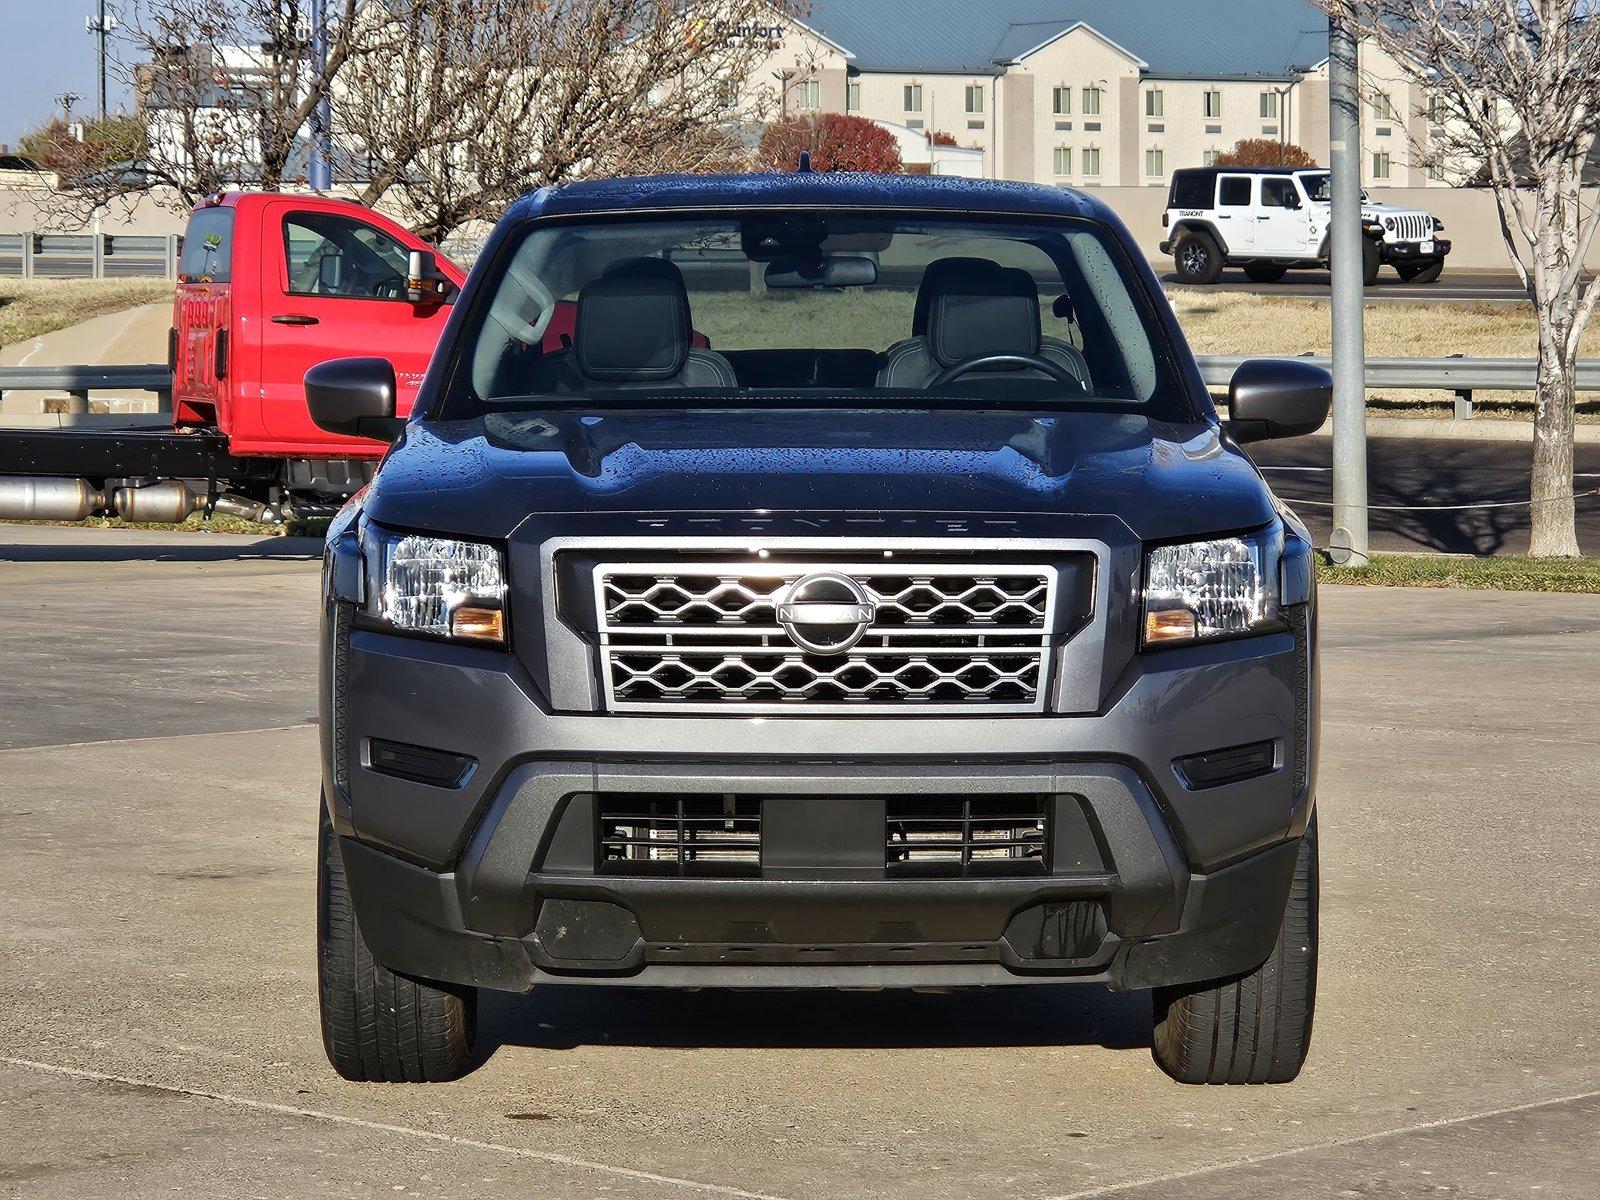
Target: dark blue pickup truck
pixel 817 580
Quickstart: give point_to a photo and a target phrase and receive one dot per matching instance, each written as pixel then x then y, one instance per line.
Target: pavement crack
pixel 313 1114
pixel 1251 1160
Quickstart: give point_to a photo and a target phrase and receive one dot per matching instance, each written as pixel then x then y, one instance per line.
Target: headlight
pixel 1388 223
pixel 438 586
pixel 1438 225
pixel 1213 589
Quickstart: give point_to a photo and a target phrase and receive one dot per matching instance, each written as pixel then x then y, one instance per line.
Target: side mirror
pixel 425 283
pixel 354 397
pixel 1277 398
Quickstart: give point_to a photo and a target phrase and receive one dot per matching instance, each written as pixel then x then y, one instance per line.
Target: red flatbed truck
pixel 269 285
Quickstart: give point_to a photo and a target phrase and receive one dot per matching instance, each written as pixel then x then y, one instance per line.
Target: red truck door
pixel 201 318
pixel 332 284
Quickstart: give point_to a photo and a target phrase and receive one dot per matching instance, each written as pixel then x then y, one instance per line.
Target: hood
pixel 484 477
pixel 1391 210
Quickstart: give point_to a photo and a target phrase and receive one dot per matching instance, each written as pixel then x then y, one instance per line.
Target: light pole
pixel 99 26
pixel 1348 542
pixel 319 170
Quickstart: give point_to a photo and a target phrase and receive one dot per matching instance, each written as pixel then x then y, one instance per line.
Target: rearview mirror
pixel 840 271
pixel 354 397
pixel 425 283
pixel 1277 398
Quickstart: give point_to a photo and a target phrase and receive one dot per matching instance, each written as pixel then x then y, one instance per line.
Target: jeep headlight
pixel 1213 589
pixel 437 586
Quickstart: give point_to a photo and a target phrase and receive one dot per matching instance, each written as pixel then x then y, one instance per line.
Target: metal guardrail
pixel 1463 376
pixel 83 256
pixel 79 382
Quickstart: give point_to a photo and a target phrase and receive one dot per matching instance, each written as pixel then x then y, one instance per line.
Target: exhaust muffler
pixel 168 503
pixel 42 498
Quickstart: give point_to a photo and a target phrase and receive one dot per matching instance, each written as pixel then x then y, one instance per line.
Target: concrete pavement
pixel 158 1022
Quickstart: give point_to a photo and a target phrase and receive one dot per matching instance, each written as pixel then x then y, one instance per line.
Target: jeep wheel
pixel 1198 258
pixel 1369 262
pixel 1422 272
pixel 1255 1028
pixel 1264 272
pixel 377 1025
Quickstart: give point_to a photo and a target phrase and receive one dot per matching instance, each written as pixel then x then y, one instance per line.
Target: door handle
pixel 1258 218
pixel 293 319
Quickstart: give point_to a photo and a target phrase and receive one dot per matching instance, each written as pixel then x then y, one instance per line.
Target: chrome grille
pixel 707 636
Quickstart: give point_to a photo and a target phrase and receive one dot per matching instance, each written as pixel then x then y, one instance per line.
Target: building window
pixel 1091 162
pixel 1061 101
pixel 852 96
pixel 1213 103
pixel 914 97
pixel 1382 107
pixel 1155 164
pixel 1380 165
pixel 1063 160
pixel 1436 172
pixel 1091 102
pixel 974 98
pixel 810 94
pixel 1155 104
pixel 1209 158
pixel 1269 106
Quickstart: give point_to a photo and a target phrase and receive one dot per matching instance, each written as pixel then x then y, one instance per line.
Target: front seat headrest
pixel 992 310
pixel 937 276
pixel 633 323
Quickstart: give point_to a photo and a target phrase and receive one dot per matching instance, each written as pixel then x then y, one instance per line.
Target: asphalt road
pixel 157 1015
pixel 1423 473
pixel 1455 287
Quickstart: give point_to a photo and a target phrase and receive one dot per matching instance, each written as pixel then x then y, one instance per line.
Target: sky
pixel 43 51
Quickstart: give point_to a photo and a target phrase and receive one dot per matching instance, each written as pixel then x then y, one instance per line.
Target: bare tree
pixel 1515 88
pixel 223 90
pixel 460 106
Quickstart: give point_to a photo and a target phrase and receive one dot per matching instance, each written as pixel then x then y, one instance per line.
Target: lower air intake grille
pixel 966 835
pixel 702 835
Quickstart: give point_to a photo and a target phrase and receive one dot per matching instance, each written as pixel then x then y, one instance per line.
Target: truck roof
pixel 1245 170
pixel 804 189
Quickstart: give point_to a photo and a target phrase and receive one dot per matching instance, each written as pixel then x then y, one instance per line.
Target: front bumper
pixel 1413 251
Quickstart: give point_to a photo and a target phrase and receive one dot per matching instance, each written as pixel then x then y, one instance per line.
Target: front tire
pixel 1264 272
pixel 1198 258
pixel 1370 262
pixel 377 1025
pixel 1255 1028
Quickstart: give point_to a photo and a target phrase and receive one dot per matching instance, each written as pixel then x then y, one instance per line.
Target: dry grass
pixel 31 307
pixel 1239 323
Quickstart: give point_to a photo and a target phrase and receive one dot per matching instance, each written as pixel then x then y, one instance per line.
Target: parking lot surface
pixel 158 1027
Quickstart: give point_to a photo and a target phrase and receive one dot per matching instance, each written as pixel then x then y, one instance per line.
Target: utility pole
pixel 319 170
pixel 1348 543
pixel 99 26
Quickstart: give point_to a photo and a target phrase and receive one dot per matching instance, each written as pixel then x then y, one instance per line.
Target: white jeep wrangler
pixel 1269 220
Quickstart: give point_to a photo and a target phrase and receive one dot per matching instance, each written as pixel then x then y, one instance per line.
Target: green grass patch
pixel 1510 573
pixel 221 523
pixel 30 308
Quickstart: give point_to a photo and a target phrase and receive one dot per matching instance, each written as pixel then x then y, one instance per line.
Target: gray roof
pixel 1203 39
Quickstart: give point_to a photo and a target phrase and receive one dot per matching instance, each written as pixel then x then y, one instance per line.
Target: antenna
pixel 805 163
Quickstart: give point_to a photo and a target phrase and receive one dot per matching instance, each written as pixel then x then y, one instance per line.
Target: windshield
pixel 1319 186
pixel 775 307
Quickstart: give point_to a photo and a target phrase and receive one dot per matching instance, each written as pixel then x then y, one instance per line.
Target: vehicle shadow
pixel 565 1017
pixel 205 548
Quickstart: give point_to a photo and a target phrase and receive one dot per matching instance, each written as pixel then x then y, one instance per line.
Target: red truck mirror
pixel 425 283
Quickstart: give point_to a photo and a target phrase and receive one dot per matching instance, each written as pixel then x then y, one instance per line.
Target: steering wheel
pixel 390 287
pixel 1055 370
